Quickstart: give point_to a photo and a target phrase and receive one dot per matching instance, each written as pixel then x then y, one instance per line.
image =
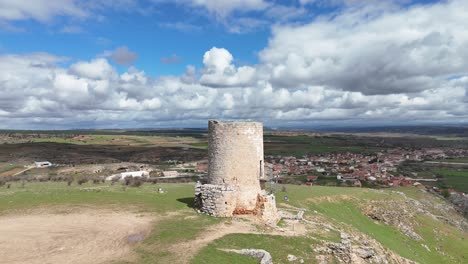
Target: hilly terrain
pixel 339 225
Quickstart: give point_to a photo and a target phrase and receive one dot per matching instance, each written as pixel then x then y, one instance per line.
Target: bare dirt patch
pixel 85 236
pixel 245 224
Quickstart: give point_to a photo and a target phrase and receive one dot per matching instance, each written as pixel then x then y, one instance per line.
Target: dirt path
pixel 87 236
pixel 190 248
pixel 236 226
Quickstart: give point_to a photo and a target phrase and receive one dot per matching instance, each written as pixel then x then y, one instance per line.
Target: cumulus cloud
pixel 402 65
pixel 219 70
pixel 121 55
pixel 404 50
pixel 96 69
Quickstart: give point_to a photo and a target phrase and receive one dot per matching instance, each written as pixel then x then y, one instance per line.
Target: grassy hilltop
pixel 406 222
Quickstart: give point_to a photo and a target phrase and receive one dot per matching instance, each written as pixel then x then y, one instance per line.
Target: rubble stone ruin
pixel 235 169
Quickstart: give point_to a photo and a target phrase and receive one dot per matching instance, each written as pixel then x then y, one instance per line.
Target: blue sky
pixel 171 63
pixel 154 31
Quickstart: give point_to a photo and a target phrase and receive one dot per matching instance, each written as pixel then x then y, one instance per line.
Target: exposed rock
pixel 357 249
pixel 395 214
pixel 321 259
pixel 364 252
pixel 409 232
pixel 291 257
pixel 426 247
pixel 263 255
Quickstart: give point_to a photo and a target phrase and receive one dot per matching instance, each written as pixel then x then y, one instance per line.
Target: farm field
pixel 448 175
pixel 163 227
pixel 457 160
pixel 454 178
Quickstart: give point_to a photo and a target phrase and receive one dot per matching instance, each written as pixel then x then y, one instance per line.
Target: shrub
pixel 82 180
pixel 445 193
pixel 69 181
pixel 133 181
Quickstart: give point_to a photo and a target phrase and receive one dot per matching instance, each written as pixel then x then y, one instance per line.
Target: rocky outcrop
pixel 397 216
pixel 357 250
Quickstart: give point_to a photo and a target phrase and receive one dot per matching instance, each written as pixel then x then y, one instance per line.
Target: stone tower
pixel 235 169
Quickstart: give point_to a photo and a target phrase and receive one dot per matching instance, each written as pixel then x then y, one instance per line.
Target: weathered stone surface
pixel 234 173
pixel 291 257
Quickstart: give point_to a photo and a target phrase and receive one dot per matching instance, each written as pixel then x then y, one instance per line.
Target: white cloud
pixel 41 10
pixel 219 70
pixel 403 65
pixel 398 51
pixel 95 69
pixel 225 8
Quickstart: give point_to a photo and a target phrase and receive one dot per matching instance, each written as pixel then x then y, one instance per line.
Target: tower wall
pixel 236 158
pixel 236 165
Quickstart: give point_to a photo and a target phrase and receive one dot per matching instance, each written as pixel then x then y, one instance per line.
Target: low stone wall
pixel 221 201
pixel 214 199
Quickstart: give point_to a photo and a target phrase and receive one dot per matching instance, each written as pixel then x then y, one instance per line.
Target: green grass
pixel 304 145
pixel 201 145
pixel 390 237
pixel 156 247
pixel 343 207
pixel 133 140
pixel 457 160
pixel 278 246
pixel 336 205
pixel 36 194
pixel 457 179
pixel 7 166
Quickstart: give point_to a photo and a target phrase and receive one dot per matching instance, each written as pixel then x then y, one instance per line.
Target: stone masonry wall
pixel 216 200
pixel 236 158
pixel 235 168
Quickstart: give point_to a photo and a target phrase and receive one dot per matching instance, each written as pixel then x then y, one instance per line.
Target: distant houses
pixel 128 174
pixel 170 173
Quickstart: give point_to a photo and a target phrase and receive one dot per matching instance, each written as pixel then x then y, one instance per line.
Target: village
pixel 355 169
pixel 334 169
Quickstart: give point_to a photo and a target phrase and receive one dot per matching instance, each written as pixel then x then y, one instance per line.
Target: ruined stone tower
pixel 234 173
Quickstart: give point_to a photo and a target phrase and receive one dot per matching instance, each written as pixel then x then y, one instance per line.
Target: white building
pixel 42 164
pixel 170 173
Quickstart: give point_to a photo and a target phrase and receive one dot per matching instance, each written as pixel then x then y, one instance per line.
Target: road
pixel 447 163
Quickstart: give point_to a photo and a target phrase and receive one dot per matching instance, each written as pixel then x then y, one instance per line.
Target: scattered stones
pixel 287 215
pixel 291 257
pixel 364 252
pixel 399 216
pixel 409 232
pixel 321 259
pixel 263 255
pixel 426 247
